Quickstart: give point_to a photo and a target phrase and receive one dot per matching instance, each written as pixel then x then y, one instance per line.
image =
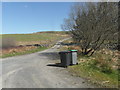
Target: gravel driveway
pixel 38 70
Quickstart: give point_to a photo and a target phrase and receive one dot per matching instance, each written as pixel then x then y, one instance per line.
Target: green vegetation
pixel 24 52
pixel 11 43
pixel 31 37
pixel 101 68
pixel 89 71
pixel 91 27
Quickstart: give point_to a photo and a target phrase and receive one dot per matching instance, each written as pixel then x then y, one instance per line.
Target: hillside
pixel 35 38
pixel 18 44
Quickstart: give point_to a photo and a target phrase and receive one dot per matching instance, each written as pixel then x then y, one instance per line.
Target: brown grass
pixel 16 49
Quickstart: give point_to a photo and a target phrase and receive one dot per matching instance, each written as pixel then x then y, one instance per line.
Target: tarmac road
pixel 38 70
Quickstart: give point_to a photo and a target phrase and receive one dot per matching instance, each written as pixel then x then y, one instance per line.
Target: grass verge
pixel 92 74
pixel 24 52
pixel 99 69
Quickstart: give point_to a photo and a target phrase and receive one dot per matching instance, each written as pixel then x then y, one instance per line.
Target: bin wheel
pixel 65 67
pixel 76 63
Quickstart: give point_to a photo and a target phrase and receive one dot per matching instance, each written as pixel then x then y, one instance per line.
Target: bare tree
pixel 93 24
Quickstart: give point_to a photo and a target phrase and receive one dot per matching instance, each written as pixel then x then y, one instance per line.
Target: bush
pixel 106 69
pixel 93 64
pixel 8 42
pixel 102 63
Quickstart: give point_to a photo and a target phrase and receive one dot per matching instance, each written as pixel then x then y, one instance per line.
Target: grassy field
pixel 11 42
pixel 41 37
pixel 100 69
pixel 31 37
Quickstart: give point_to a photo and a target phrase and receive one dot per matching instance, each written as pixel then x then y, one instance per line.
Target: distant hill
pixel 56 32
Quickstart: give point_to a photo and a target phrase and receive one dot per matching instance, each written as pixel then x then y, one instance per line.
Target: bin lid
pixel 73 50
pixel 64 52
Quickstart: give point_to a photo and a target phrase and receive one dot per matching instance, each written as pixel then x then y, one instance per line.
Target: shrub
pixel 8 42
pixel 103 63
pixel 106 69
pixel 93 64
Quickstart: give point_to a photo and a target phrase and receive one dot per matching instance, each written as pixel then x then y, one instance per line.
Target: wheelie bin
pixel 65 57
pixel 73 57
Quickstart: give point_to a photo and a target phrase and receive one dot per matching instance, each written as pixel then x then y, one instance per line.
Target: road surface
pixel 38 70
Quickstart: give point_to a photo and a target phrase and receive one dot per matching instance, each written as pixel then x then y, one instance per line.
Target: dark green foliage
pixel 106 69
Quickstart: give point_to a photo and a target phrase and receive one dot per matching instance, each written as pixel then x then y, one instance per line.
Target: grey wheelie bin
pixel 65 57
pixel 73 57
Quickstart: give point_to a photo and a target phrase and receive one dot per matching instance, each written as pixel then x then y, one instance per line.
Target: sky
pixel 29 17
